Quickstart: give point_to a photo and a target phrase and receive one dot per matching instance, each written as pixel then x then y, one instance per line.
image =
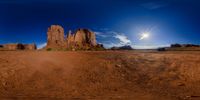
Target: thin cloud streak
pixel 101 34
pixel 153 5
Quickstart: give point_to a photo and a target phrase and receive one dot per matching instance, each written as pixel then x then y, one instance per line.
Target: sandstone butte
pixel 81 39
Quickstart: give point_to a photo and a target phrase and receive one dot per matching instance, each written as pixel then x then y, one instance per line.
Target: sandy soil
pixel 102 75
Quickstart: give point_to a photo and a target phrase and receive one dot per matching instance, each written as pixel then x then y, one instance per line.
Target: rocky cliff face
pixel 55 37
pixel 83 39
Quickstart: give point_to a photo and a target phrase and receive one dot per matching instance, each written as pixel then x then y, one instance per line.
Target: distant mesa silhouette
pixel 181 47
pixel 82 39
pixel 126 47
pixel 184 45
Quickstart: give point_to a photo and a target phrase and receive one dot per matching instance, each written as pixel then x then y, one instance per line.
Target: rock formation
pixel 82 39
pixel 85 37
pixel 55 37
pixel 70 40
pixel 30 46
pixel 19 46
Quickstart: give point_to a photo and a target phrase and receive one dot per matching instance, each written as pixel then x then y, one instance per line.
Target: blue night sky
pixel 115 22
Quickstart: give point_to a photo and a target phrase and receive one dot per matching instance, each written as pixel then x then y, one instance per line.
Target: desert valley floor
pixel 99 75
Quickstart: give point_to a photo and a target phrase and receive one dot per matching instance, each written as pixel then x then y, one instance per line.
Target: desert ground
pixel 99 75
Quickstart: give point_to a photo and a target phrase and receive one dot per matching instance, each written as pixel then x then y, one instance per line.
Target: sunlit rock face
pixel 85 38
pixel 55 37
pixel 82 39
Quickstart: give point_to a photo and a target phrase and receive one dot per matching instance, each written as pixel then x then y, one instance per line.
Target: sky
pixel 115 22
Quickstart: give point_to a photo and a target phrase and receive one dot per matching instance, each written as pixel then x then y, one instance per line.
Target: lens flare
pixel 144 35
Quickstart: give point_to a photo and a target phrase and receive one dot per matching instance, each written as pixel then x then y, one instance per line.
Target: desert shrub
pixel 99 49
pixel 161 49
pixel 49 49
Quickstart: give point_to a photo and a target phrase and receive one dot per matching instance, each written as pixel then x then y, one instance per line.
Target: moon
pixel 144 35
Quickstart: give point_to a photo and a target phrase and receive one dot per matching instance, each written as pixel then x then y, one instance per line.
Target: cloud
pixel 101 34
pixel 153 5
pixel 123 39
pixel 111 38
pixel 110 45
pixel 42 45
